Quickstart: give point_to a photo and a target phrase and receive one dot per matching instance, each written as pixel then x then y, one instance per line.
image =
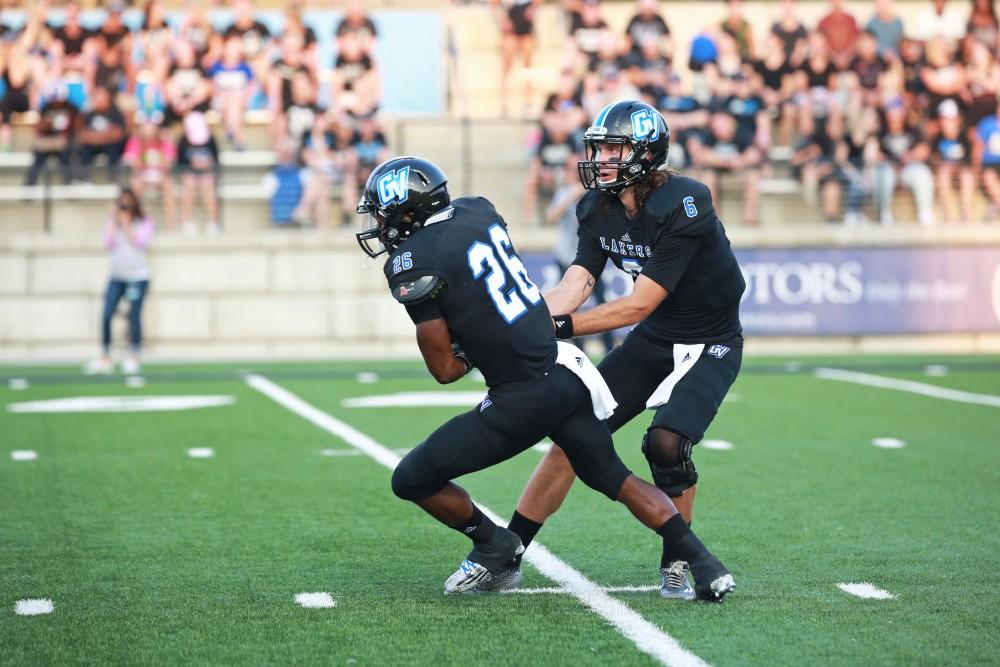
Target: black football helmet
pixel 396 188
pixel 643 135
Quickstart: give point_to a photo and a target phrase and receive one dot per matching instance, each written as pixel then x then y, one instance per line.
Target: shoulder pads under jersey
pixel 410 292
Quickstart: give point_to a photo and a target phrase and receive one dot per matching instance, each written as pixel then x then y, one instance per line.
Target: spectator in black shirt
pixel 254 36
pixel 869 67
pixel 358 26
pixel 753 125
pixel 296 29
pixel 355 78
pixel 565 104
pixel 16 69
pixel 789 29
pixel 297 119
pixel 555 146
pixel 114 31
pixel 587 31
pixel 647 26
pixel 102 132
pixel 110 72
pixel 70 39
pixel 904 152
pixel 188 87
pixel 777 86
pixel 952 154
pixel 684 116
pixel 283 71
pixel 722 151
pixel 198 163
pixel 517 28
pixel 54 135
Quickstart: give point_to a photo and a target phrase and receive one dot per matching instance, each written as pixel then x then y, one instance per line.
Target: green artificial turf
pixel 152 557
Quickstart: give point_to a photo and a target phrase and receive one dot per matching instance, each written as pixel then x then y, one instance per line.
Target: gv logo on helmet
pixel 644 125
pixel 393 186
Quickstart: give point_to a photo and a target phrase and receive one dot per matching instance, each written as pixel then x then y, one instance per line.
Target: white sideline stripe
pixel 34 607
pixel 647 637
pixel 120 404
pixel 908 385
pixel 24 455
pixel 417 399
pixel 557 591
pixel 866 590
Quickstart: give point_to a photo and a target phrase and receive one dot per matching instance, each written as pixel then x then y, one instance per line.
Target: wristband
pixel 462 356
pixel 563 325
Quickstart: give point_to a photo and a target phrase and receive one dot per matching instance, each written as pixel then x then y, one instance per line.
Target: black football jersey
pixel 493 310
pixel 678 241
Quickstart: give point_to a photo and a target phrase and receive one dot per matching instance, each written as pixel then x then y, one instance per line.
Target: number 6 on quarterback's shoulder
pixel 689 207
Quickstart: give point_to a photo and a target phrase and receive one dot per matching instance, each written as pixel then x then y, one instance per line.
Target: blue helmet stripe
pixel 603 115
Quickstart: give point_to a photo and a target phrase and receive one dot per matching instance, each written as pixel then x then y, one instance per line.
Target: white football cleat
pixel 674 583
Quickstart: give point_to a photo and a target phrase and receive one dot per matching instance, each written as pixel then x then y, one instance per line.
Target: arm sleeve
pixel 589 254
pixel 424 311
pixel 143 232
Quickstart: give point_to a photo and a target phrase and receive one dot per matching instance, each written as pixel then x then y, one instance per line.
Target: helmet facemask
pixel 632 164
pixel 383 227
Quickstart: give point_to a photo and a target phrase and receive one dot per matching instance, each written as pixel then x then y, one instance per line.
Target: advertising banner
pixel 848 291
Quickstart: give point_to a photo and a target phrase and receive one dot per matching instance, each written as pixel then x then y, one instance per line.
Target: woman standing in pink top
pixel 127 236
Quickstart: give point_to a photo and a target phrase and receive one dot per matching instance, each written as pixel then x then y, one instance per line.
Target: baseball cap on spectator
pixel 948 109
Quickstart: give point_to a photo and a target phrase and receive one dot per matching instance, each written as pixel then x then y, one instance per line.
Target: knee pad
pixel 414 481
pixel 669 457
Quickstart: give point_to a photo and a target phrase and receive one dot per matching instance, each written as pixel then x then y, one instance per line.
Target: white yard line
pixel 34 607
pixel 910 386
pixel 866 590
pixel 647 637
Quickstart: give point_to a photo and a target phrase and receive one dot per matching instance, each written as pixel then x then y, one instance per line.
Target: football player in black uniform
pixel 453 266
pixel 685 352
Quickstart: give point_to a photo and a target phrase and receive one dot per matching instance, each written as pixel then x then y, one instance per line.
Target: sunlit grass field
pixel 151 556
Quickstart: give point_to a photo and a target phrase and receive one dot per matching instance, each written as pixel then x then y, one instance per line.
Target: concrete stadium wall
pixel 285 294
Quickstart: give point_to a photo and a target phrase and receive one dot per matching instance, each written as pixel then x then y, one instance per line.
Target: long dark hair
pixel 135 206
pixel 644 188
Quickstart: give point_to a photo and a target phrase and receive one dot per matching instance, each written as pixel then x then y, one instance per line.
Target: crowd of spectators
pixel 152 96
pixel 850 107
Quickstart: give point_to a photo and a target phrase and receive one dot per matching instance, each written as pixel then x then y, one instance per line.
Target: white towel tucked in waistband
pixel 685 357
pixel 574 359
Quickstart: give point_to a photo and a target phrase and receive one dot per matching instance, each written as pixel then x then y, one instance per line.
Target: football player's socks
pixel 685 545
pixel 479 528
pixel 668 555
pixel 525 528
